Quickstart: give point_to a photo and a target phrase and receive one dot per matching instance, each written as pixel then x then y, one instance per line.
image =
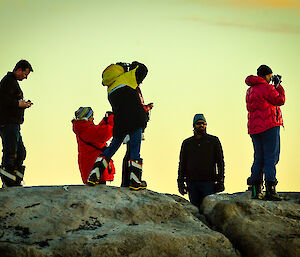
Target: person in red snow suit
pixel 264 120
pixel 91 140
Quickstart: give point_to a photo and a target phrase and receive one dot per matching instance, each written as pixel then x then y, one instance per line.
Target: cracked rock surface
pixel 103 221
pixel 257 228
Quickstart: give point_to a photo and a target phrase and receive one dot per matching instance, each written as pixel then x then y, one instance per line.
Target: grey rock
pixel 257 228
pixel 103 221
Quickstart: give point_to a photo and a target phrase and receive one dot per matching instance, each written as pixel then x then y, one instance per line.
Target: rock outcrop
pixel 257 228
pixel 97 221
pixel 103 221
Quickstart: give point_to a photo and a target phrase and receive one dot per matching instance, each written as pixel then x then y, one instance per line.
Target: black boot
pixel 8 177
pixel 256 189
pixel 271 194
pixel 136 182
pixel 99 167
pixel 257 192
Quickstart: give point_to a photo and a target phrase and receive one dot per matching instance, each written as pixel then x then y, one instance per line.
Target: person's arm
pixel 219 157
pixel 141 71
pixel 275 96
pixel 7 97
pixel 181 171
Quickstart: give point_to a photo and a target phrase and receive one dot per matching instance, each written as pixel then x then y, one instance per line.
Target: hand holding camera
pixel 25 104
pixel 276 79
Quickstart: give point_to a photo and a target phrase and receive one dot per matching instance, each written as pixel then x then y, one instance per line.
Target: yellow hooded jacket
pixel 114 75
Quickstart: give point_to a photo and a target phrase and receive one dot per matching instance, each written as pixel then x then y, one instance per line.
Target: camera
pixel 276 79
pixel 125 65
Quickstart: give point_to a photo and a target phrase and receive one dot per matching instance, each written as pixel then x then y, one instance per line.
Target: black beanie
pixel 263 70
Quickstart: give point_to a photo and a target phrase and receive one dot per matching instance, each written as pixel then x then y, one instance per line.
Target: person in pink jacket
pixel 264 96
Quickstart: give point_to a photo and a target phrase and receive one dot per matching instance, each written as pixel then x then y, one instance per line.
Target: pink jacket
pixel 263 102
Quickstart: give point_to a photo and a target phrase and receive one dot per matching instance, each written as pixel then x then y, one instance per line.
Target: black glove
pixel 182 188
pixel 107 114
pixel 219 186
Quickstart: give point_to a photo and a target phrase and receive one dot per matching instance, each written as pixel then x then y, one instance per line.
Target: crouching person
pixel 91 140
pixel 199 156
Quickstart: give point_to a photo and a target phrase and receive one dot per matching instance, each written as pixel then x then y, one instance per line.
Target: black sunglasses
pixel 200 123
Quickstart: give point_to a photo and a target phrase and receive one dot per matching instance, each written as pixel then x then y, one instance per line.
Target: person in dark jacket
pixel 122 80
pixel 201 164
pixel 12 107
pixel 264 120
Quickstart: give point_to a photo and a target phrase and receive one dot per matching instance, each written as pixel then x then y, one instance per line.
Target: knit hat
pixel 264 70
pixel 83 113
pixel 198 117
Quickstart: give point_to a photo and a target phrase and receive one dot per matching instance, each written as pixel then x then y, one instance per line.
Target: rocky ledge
pixel 109 221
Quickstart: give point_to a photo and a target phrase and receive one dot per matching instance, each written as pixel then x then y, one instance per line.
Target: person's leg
pixel 135 144
pixel 101 163
pixel 10 135
pixel 271 139
pixel 194 193
pixel 206 188
pixel 21 156
pixel 125 170
pixel 271 147
pixel 258 162
pixel 136 162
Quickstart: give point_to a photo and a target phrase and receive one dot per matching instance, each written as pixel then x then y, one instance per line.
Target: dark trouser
pixel 266 155
pixel 197 190
pixel 14 152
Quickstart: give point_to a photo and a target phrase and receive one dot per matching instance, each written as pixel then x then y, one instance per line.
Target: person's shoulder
pixel 9 78
pixel 187 140
pixel 212 137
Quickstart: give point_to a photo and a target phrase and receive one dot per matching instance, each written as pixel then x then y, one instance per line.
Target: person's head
pixel 199 124
pixel 22 70
pixel 85 113
pixel 265 72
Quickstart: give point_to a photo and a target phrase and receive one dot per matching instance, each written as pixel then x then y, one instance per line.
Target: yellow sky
pixel 198 53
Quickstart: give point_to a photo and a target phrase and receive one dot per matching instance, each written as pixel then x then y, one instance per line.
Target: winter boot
pixel 135 169
pixel 19 172
pixel 271 194
pixel 256 189
pixel 256 192
pixel 8 177
pixel 126 169
pixel 99 167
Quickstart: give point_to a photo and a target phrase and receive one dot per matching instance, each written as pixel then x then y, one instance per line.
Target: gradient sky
pixel 198 53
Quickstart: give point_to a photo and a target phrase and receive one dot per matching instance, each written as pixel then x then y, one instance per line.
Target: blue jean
pixel 14 152
pixel 197 190
pixel 266 155
pixel 134 145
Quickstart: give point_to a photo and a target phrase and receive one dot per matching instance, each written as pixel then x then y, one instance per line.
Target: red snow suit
pixel 97 136
pixel 263 102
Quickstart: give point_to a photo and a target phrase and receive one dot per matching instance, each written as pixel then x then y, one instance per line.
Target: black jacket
pixel 199 158
pixel 129 113
pixel 10 94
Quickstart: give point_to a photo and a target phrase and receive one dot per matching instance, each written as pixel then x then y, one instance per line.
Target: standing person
pixel 264 120
pixel 91 140
pixel 122 80
pixel 12 107
pixel 199 156
pixel 126 159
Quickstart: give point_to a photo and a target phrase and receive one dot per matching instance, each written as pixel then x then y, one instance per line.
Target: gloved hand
pixel 276 79
pixel 219 186
pixel 108 116
pixel 182 188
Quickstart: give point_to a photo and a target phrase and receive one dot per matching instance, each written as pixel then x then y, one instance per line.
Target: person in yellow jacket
pixel 130 118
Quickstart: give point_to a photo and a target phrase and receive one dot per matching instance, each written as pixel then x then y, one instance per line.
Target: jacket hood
pixel 254 80
pixel 79 125
pixel 114 76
